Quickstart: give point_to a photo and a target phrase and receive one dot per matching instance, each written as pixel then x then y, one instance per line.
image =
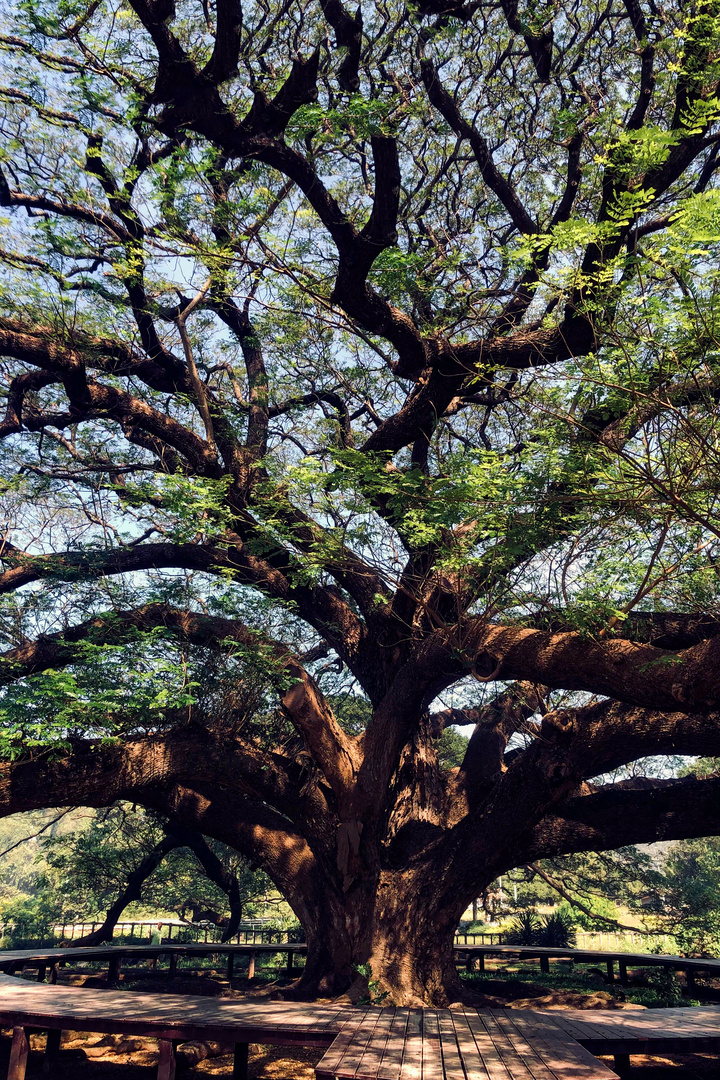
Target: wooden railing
pixel 20 934
pixel 17 934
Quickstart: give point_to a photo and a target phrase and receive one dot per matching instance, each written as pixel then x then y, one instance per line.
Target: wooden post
pixel 622 1064
pixel 690 979
pixel 166 1060
pixel 481 961
pixel 54 974
pixel 52 1049
pixel 18 1054
pixel 240 1060
pixel 41 972
pixel 230 963
pixel 469 961
pixel 622 964
pixel 114 969
pixel 545 964
pixel 611 971
pixel 289 968
pixel 251 966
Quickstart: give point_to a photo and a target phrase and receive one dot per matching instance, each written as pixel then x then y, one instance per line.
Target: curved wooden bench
pixel 690 965
pixel 42 959
pixel 362 1043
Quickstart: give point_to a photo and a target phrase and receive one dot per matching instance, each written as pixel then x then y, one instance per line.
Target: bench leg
pixel 251 966
pixel 623 972
pixel 240 1061
pixel 52 1049
pixel 690 981
pixel 166 1060
pixel 481 962
pixel 173 965
pixel 18 1054
pixel 41 973
pixel 54 974
pixel 611 971
pixel 230 964
pixel 289 969
pixel 545 964
pixel 114 969
pixel 622 1064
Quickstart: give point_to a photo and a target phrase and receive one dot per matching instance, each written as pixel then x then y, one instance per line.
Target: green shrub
pixel 556 931
pixel 665 983
pixel 523 929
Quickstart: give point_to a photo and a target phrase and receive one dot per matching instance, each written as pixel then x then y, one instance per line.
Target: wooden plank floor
pixel 640 1030
pixel 462 1044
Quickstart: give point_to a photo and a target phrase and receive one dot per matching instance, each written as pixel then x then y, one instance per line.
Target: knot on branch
pixel 557 724
pixel 486 668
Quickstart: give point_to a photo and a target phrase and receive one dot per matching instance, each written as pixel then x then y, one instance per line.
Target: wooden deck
pixel 361 1043
pixel 449 1044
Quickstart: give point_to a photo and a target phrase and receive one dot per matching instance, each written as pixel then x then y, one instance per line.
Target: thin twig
pixel 34 835
pixel 198 387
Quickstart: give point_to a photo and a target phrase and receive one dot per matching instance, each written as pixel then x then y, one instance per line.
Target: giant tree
pixel 367 352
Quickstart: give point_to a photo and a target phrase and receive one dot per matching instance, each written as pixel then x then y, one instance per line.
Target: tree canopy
pixel 366 360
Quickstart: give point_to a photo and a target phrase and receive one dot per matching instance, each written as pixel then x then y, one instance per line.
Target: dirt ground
pixel 86 1056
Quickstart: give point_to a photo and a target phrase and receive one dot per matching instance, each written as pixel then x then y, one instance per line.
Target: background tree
pixel 97 867
pixel 127 856
pixel 369 353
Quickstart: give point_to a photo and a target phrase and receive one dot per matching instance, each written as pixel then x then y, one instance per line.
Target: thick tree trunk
pixel 412 942
pixel 399 933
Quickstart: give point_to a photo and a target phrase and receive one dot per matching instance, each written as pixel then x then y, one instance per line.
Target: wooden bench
pixel 42 959
pixel 691 966
pixel 361 1043
pixel 169 1018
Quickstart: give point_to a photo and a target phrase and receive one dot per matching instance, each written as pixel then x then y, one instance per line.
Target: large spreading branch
pixel 332 749
pixel 617 816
